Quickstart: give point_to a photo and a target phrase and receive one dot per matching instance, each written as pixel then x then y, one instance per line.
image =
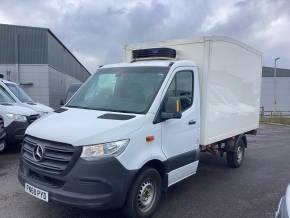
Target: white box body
pixel 230 83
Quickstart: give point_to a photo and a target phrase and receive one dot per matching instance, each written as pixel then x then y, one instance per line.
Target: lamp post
pixel 275 83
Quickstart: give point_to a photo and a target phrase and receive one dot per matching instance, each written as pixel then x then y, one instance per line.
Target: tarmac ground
pixel 253 190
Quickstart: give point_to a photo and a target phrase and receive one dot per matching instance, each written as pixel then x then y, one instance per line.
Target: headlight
pixel 105 149
pixel 17 117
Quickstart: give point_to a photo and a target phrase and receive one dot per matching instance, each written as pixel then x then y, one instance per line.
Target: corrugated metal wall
pixel 282 89
pixel 7 48
pixel 31 44
pixel 269 72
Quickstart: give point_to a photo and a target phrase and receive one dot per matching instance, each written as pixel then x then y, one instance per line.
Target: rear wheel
pixel 236 158
pixel 144 195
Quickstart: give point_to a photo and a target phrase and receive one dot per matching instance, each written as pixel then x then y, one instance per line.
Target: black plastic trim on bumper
pixel 97 184
pixel 15 131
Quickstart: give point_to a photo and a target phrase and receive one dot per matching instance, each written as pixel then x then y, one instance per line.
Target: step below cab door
pixel 180 136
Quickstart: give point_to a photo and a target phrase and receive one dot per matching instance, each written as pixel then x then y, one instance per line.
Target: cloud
pixel 95 31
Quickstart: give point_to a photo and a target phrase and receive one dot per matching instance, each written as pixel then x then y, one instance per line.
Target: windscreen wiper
pixel 6 103
pixel 73 106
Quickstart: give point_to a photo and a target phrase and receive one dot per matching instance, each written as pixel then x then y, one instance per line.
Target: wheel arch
pixel 242 137
pixel 231 143
pixel 160 167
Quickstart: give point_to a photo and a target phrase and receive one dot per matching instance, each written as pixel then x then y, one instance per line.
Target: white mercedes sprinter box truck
pixel 136 128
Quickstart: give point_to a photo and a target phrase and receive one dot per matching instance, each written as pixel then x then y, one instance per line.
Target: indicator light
pixel 150 138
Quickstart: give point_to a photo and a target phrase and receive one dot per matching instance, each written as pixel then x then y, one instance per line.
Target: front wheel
pixel 236 158
pixel 144 195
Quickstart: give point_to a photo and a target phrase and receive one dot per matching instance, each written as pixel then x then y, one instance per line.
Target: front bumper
pixel 98 184
pixel 15 132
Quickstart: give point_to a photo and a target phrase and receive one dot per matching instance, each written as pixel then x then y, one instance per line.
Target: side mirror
pixel 171 109
pixel 61 102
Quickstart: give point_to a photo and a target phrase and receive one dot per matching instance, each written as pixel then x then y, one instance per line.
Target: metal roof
pixel 68 50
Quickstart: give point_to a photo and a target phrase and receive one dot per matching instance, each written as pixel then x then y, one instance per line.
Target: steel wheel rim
pixel 239 154
pixel 146 196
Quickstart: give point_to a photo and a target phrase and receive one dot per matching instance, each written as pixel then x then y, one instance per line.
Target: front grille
pixel 45 180
pixel 57 159
pixel 32 118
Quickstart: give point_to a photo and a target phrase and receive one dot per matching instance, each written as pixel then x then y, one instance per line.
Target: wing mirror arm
pixel 172 108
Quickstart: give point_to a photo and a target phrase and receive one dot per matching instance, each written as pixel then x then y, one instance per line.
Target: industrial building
pixel 36 59
pixel 278 86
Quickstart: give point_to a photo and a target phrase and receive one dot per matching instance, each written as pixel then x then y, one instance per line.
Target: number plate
pixel 36 192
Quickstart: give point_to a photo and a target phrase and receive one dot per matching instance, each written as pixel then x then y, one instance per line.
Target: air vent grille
pixel 160 53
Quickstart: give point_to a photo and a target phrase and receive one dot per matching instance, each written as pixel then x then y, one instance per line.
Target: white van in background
pixel 22 98
pixel 16 118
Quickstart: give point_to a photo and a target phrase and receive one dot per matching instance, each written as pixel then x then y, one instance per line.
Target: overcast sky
pixel 96 30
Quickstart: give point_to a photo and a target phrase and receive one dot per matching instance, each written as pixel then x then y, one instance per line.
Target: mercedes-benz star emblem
pixel 38 153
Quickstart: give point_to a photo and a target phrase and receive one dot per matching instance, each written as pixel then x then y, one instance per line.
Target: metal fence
pixel 282 117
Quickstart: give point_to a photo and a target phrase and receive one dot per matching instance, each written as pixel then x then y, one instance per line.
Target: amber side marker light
pixel 177 106
pixel 150 138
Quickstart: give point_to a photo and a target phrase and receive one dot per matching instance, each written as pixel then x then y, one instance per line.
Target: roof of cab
pixel 152 63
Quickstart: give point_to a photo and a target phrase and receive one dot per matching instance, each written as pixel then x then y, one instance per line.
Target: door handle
pixel 191 122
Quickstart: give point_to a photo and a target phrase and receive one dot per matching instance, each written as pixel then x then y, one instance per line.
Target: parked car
pixel 71 91
pixel 16 119
pixel 22 98
pixel 134 129
pixel 284 205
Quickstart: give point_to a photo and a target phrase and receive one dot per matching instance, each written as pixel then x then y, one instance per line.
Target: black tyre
pixel 144 195
pixel 235 158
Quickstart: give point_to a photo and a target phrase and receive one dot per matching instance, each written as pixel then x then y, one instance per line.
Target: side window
pixel 182 86
pixel 5 96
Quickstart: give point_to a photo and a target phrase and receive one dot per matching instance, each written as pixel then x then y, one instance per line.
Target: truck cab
pixel 128 120
pixel 22 98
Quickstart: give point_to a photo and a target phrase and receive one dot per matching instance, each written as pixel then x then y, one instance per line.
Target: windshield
pixel 125 89
pixel 19 93
pixel 5 97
